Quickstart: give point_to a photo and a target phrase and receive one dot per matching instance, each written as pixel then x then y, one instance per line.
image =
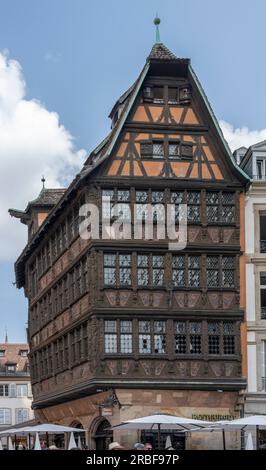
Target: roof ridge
pixel 160 52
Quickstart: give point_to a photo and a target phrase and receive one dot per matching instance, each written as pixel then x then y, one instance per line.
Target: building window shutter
pixel 187 150
pixel 146 149
pixel 12 390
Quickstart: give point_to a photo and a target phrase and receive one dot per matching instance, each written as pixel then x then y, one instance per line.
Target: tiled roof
pixel 47 197
pixel 161 52
pixel 12 356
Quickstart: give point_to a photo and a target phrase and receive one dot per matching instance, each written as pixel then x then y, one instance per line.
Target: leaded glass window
pixel 177 197
pixel 195 337
pixel 174 149
pixel 108 199
pixel 180 337
pixel 123 195
pixel 126 336
pixel 159 337
pixel 220 207
pixel 212 266
pixel 141 205
pixel 158 210
pixel 212 206
pixel 157 149
pixel 143 270
pixel 228 207
pixel 193 209
pixel 125 270
pixel 110 270
pixel 194 271
pixel 110 337
pixel 144 337
pixel 229 337
pixel 228 271
pixel 157 270
pixel 214 337
pixel 178 271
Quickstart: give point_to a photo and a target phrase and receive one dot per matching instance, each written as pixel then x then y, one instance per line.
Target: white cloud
pixel 32 143
pixel 242 136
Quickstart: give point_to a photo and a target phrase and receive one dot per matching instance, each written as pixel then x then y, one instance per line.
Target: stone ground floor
pixel 99 412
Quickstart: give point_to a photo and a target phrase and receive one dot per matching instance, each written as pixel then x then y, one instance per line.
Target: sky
pixel 64 63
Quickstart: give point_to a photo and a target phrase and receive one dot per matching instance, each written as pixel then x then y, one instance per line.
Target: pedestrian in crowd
pixel 115 446
pixel 147 446
pixel 138 446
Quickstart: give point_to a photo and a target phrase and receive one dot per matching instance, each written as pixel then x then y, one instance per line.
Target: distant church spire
pixel 157 21
pixel 6 337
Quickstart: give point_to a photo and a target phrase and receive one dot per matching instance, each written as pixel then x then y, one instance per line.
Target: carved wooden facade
pixel 120 313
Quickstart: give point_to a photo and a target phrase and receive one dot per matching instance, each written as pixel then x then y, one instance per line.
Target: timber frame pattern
pixel 69 303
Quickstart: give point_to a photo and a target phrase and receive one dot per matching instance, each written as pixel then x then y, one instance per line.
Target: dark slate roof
pixel 161 52
pixel 47 197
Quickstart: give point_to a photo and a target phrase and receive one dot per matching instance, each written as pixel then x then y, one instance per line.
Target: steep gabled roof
pixel 47 197
pixel 161 52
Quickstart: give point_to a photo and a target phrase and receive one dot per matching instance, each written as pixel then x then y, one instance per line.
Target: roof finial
pixel 157 21
pixel 6 337
pixel 43 181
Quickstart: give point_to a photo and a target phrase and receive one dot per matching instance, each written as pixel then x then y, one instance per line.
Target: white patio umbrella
pixel 1 445
pixel 10 444
pixel 41 428
pixel 79 443
pixel 214 427
pixel 168 443
pixel 162 421
pixel 249 443
pixel 248 423
pixel 72 443
pixel 37 445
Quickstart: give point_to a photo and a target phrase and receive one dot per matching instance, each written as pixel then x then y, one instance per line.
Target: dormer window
pixel 174 149
pixel 23 352
pixel 147 93
pixel 172 95
pixel 169 94
pixel 158 94
pixel 158 149
pixel 260 167
pixel 2 353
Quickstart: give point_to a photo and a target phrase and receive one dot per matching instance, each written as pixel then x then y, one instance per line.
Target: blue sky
pixel 78 56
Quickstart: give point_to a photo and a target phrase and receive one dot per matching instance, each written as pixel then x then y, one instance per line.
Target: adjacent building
pixel 253 161
pixel 121 328
pixel 15 386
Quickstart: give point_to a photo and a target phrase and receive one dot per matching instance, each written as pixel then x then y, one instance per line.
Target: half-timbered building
pixel 122 328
